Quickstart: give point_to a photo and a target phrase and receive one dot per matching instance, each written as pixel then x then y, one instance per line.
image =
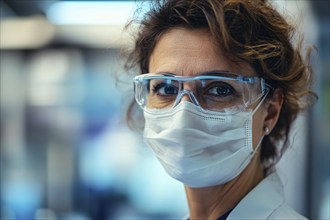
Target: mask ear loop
pixel 260 103
pixel 266 129
pixel 257 147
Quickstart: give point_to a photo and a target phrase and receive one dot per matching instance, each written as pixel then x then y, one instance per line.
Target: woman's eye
pixel 220 90
pixel 165 89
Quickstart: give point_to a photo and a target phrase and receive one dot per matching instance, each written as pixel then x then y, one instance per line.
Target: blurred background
pixel 66 152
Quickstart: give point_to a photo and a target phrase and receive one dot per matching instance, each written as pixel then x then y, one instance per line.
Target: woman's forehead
pixel 183 51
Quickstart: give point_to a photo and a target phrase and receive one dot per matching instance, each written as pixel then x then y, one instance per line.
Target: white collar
pixel 261 201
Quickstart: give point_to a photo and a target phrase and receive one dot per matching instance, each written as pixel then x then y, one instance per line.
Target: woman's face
pixel 190 52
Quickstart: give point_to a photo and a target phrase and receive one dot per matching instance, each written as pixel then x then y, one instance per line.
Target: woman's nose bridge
pixel 188 93
pixel 190 86
pixel 185 97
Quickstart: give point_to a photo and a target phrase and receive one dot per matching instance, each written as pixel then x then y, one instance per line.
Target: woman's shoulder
pixel 285 212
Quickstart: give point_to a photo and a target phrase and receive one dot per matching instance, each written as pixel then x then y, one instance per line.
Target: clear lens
pixel 229 93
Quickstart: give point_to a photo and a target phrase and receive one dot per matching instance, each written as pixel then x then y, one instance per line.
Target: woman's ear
pixel 274 106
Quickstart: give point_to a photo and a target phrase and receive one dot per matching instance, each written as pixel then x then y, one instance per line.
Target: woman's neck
pixel 213 202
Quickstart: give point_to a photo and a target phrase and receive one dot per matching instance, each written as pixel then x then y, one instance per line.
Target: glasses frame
pixel 265 88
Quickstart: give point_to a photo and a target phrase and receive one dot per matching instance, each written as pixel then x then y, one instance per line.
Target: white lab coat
pixel 265 201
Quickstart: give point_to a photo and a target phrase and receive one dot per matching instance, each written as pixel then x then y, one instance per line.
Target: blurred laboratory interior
pixel 66 152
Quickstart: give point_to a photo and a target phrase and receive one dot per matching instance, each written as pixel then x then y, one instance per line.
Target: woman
pixel 220 85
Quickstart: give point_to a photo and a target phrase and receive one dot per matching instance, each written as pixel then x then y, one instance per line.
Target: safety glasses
pixel 222 91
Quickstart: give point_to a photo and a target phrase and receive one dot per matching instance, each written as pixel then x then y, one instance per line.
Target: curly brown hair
pixel 250 30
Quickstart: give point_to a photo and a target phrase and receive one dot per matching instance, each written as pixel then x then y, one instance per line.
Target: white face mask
pixel 200 148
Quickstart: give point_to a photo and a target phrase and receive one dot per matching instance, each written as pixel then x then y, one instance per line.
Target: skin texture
pixel 189 52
